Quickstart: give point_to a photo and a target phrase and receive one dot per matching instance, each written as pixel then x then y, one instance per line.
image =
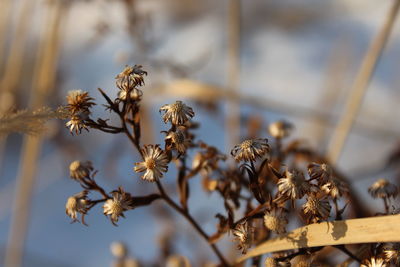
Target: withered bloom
pixel 320 172
pixel 177 113
pixel 280 129
pixel 207 160
pixel 373 262
pixel 116 206
pixel 317 208
pixel 77 203
pixel 80 169
pixel 134 95
pixel 77 122
pixel 155 163
pixel 250 150
pixel 243 234
pixel 292 186
pixel 391 253
pixel 79 101
pixel 383 189
pixel 130 78
pixel 275 221
pixel 335 188
pixel 178 140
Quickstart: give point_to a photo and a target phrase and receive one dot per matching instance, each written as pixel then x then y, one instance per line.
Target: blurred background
pixel 237 63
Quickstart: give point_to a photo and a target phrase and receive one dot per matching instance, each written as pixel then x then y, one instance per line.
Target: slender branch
pixel 191 220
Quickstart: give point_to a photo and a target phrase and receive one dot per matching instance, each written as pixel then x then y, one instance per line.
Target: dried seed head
pixel 250 150
pixel 178 140
pixel 130 78
pixel 383 189
pixel 119 250
pixel 317 208
pixel 280 129
pixel 134 95
pixel 80 169
pixel 320 172
pixel 373 262
pixel 335 188
pixel 391 253
pixel 79 101
pixel 243 234
pixel 177 261
pixel 292 186
pixel 154 164
pixel 207 160
pixel 275 222
pixel 78 122
pixel 115 207
pixel 177 113
pixel 77 204
pixel 270 262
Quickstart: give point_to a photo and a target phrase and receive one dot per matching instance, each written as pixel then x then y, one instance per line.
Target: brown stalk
pixel 360 86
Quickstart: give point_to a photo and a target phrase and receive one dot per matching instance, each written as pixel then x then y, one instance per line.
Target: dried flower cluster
pixel 270 188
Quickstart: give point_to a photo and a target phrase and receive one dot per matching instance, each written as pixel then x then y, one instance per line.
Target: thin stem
pixel 185 214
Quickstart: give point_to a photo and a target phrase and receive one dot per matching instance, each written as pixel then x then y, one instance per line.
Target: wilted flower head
pixel 77 122
pixel 77 203
pixel 317 208
pixel 243 234
pixel 250 150
pixel 134 95
pixel 178 140
pixel 335 188
pixel 130 78
pixel 270 262
pixel 177 113
pixel 275 221
pixel 155 163
pixel 79 101
pixel 391 253
pixel 292 186
pixel 373 262
pixel 280 129
pixel 207 160
pixel 321 172
pixel 383 189
pixel 80 169
pixel 115 207
pixel 119 250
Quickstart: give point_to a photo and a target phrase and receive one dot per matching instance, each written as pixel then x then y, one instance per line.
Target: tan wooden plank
pixel 354 231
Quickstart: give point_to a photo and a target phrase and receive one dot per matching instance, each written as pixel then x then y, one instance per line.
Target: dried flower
pixel 178 140
pixel 320 172
pixel 250 150
pixel 317 208
pixel 335 188
pixel 373 262
pixel 115 207
pixel 292 186
pixel 77 203
pixel 77 122
pixel 270 262
pixel 275 221
pixel 119 250
pixel 391 253
pixel 133 95
pixel 383 189
pixel 243 235
pixel 207 160
pixel 80 169
pixel 177 113
pixel 130 78
pixel 155 163
pixel 79 101
pixel 280 129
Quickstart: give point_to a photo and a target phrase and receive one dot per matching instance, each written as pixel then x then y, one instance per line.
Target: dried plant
pixel 271 185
